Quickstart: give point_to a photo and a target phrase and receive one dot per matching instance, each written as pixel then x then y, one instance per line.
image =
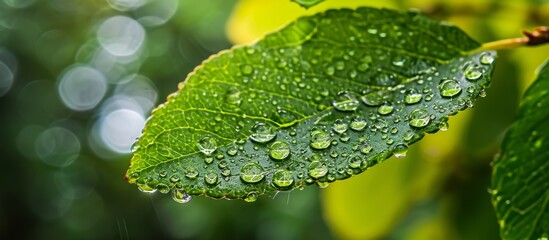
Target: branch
pixel 539 36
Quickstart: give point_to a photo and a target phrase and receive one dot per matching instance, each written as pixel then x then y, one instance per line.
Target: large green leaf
pixel 324 98
pixel 520 181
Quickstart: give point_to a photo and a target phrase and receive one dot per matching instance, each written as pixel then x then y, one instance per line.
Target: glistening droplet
pixel 262 133
pixel 279 150
pixel 419 118
pixel 181 196
pixel 207 145
pixel 252 173
pixel 320 139
pixel 345 102
pixel 283 178
pixel 449 88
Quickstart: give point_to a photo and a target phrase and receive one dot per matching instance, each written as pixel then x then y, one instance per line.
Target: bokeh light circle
pixel 121 36
pixel 81 88
pixel 119 129
pixel 57 146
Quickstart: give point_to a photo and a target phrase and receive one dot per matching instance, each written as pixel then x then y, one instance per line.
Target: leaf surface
pixel 322 99
pixel 520 180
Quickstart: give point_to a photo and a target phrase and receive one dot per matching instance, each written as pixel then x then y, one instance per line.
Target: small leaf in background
pixel 307 3
pixel 252 19
pixel 520 181
pixel 310 104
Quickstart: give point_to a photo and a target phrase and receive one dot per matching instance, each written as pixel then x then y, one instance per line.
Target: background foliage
pixel 64 155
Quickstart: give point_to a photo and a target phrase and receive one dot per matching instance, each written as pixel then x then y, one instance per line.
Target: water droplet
pixel 346 102
pixel 252 173
pixel 400 150
pixel 419 118
pixel 317 169
pixel 207 145
pixel 399 61
pixel 366 148
pixel 339 126
pixel 251 197
pixel 163 188
pixel 232 97
pixel 262 133
pixel 283 178
pixel 385 109
pixel 320 139
pixel 232 151
pixel 163 173
pixel 181 196
pixel 323 184
pixel 246 69
pixel 443 125
pixel 174 179
pixel 210 177
pixel 412 97
pixel 486 58
pixel 358 123
pixel 377 98
pixel 226 172
pixel 191 173
pixel 279 150
pixel 449 88
pixel 408 135
pixel 473 72
pixel 355 162
pixel 145 188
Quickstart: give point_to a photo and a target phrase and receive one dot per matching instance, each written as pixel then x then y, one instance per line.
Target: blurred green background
pixel 79 78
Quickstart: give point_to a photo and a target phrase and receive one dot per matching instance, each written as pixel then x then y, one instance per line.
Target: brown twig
pixel 539 36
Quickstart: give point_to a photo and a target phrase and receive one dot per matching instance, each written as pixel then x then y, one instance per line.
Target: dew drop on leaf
pixel 252 173
pixel 320 139
pixel 207 145
pixel 232 97
pixel 145 188
pixel 181 196
pixel 246 69
pixel 366 148
pixel 376 98
pixel 345 102
pixel 419 118
pixel 317 169
pixel 210 177
pixel 191 173
pixel 262 133
pixel 400 150
pixel 163 188
pixel 283 178
pixel 279 150
pixel 355 162
pixel 385 109
pixel 486 58
pixel 449 88
pixel 340 126
pixel 412 97
pixel 473 72
pixel 251 197
pixel 232 151
pixel 358 123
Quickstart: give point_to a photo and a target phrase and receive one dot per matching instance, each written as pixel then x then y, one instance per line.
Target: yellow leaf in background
pixel 369 205
pixel 252 19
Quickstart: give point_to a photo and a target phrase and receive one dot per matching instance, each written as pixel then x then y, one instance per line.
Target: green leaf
pixel 520 180
pixel 323 99
pixel 307 3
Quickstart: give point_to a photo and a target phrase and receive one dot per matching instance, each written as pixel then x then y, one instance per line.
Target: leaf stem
pixel 539 36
